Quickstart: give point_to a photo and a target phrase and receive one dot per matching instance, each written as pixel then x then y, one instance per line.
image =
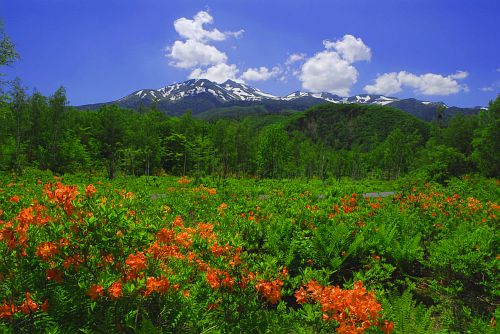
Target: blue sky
pixel 101 50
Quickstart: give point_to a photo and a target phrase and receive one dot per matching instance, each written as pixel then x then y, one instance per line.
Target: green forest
pixel 325 141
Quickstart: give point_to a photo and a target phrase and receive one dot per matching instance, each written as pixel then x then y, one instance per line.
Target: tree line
pixel 44 132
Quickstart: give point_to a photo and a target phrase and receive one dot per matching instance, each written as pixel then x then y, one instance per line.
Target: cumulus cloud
pixel 425 84
pixel 217 73
pixel 387 83
pixel 331 70
pixel 194 30
pixel 260 74
pixel 328 72
pixel 193 53
pixel 293 58
pixel 196 50
pixel 350 48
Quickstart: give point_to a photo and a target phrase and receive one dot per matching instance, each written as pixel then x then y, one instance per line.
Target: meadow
pixel 210 255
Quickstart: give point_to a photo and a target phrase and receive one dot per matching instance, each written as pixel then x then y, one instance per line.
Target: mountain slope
pixel 346 126
pixel 202 95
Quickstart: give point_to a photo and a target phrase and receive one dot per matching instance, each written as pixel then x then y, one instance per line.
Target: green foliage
pixel 486 144
pixel 408 316
pixel 8 53
pixel 439 245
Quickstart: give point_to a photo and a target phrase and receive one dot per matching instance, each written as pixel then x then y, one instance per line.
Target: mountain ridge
pixel 200 95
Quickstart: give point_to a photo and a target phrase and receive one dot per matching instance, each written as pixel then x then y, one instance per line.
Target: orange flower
pixel 7 311
pixel 154 284
pixel 115 290
pixel 270 290
pixel 355 310
pixel 90 190
pixel 165 235
pixel 45 305
pixel 46 250
pixel 95 291
pixel 212 278
pixel 54 274
pixel 388 327
pixel 178 221
pixel 136 262
pixel 183 180
pixel 14 199
pixel 29 305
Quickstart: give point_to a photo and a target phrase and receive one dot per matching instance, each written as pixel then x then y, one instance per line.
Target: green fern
pixel 408 316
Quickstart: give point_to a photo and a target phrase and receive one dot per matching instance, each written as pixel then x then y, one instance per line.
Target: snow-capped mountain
pixel 200 95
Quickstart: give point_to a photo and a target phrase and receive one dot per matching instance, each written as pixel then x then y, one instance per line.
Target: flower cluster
pixel 354 310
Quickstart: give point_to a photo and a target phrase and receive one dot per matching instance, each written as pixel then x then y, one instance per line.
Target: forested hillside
pixel 324 141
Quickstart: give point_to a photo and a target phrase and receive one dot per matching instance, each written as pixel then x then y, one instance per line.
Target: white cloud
pixel 425 84
pixel 387 83
pixel 193 53
pixel 350 48
pixel 459 75
pixel 196 50
pixel 293 58
pixel 331 70
pixel 491 88
pixel 193 29
pixel 260 74
pixel 218 73
pixel 328 72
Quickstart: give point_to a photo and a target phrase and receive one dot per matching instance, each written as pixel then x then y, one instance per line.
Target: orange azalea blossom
pixel 95 291
pixel 205 231
pixel 183 180
pixel 14 199
pixel 54 274
pixel 153 284
pixel 46 250
pixel 90 190
pixel 45 305
pixel 217 278
pixel 183 239
pixel 212 278
pixel 115 290
pixel 62 195
pixel 136 262
pixel 29 305
pixel 270 290
pixel 7 310
pixel 165 235
pixel 75 260
pixel 178 221
pixel 355 310
pixel 388 327
pixel 236 258
pixel 245 279
pixel 220 250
